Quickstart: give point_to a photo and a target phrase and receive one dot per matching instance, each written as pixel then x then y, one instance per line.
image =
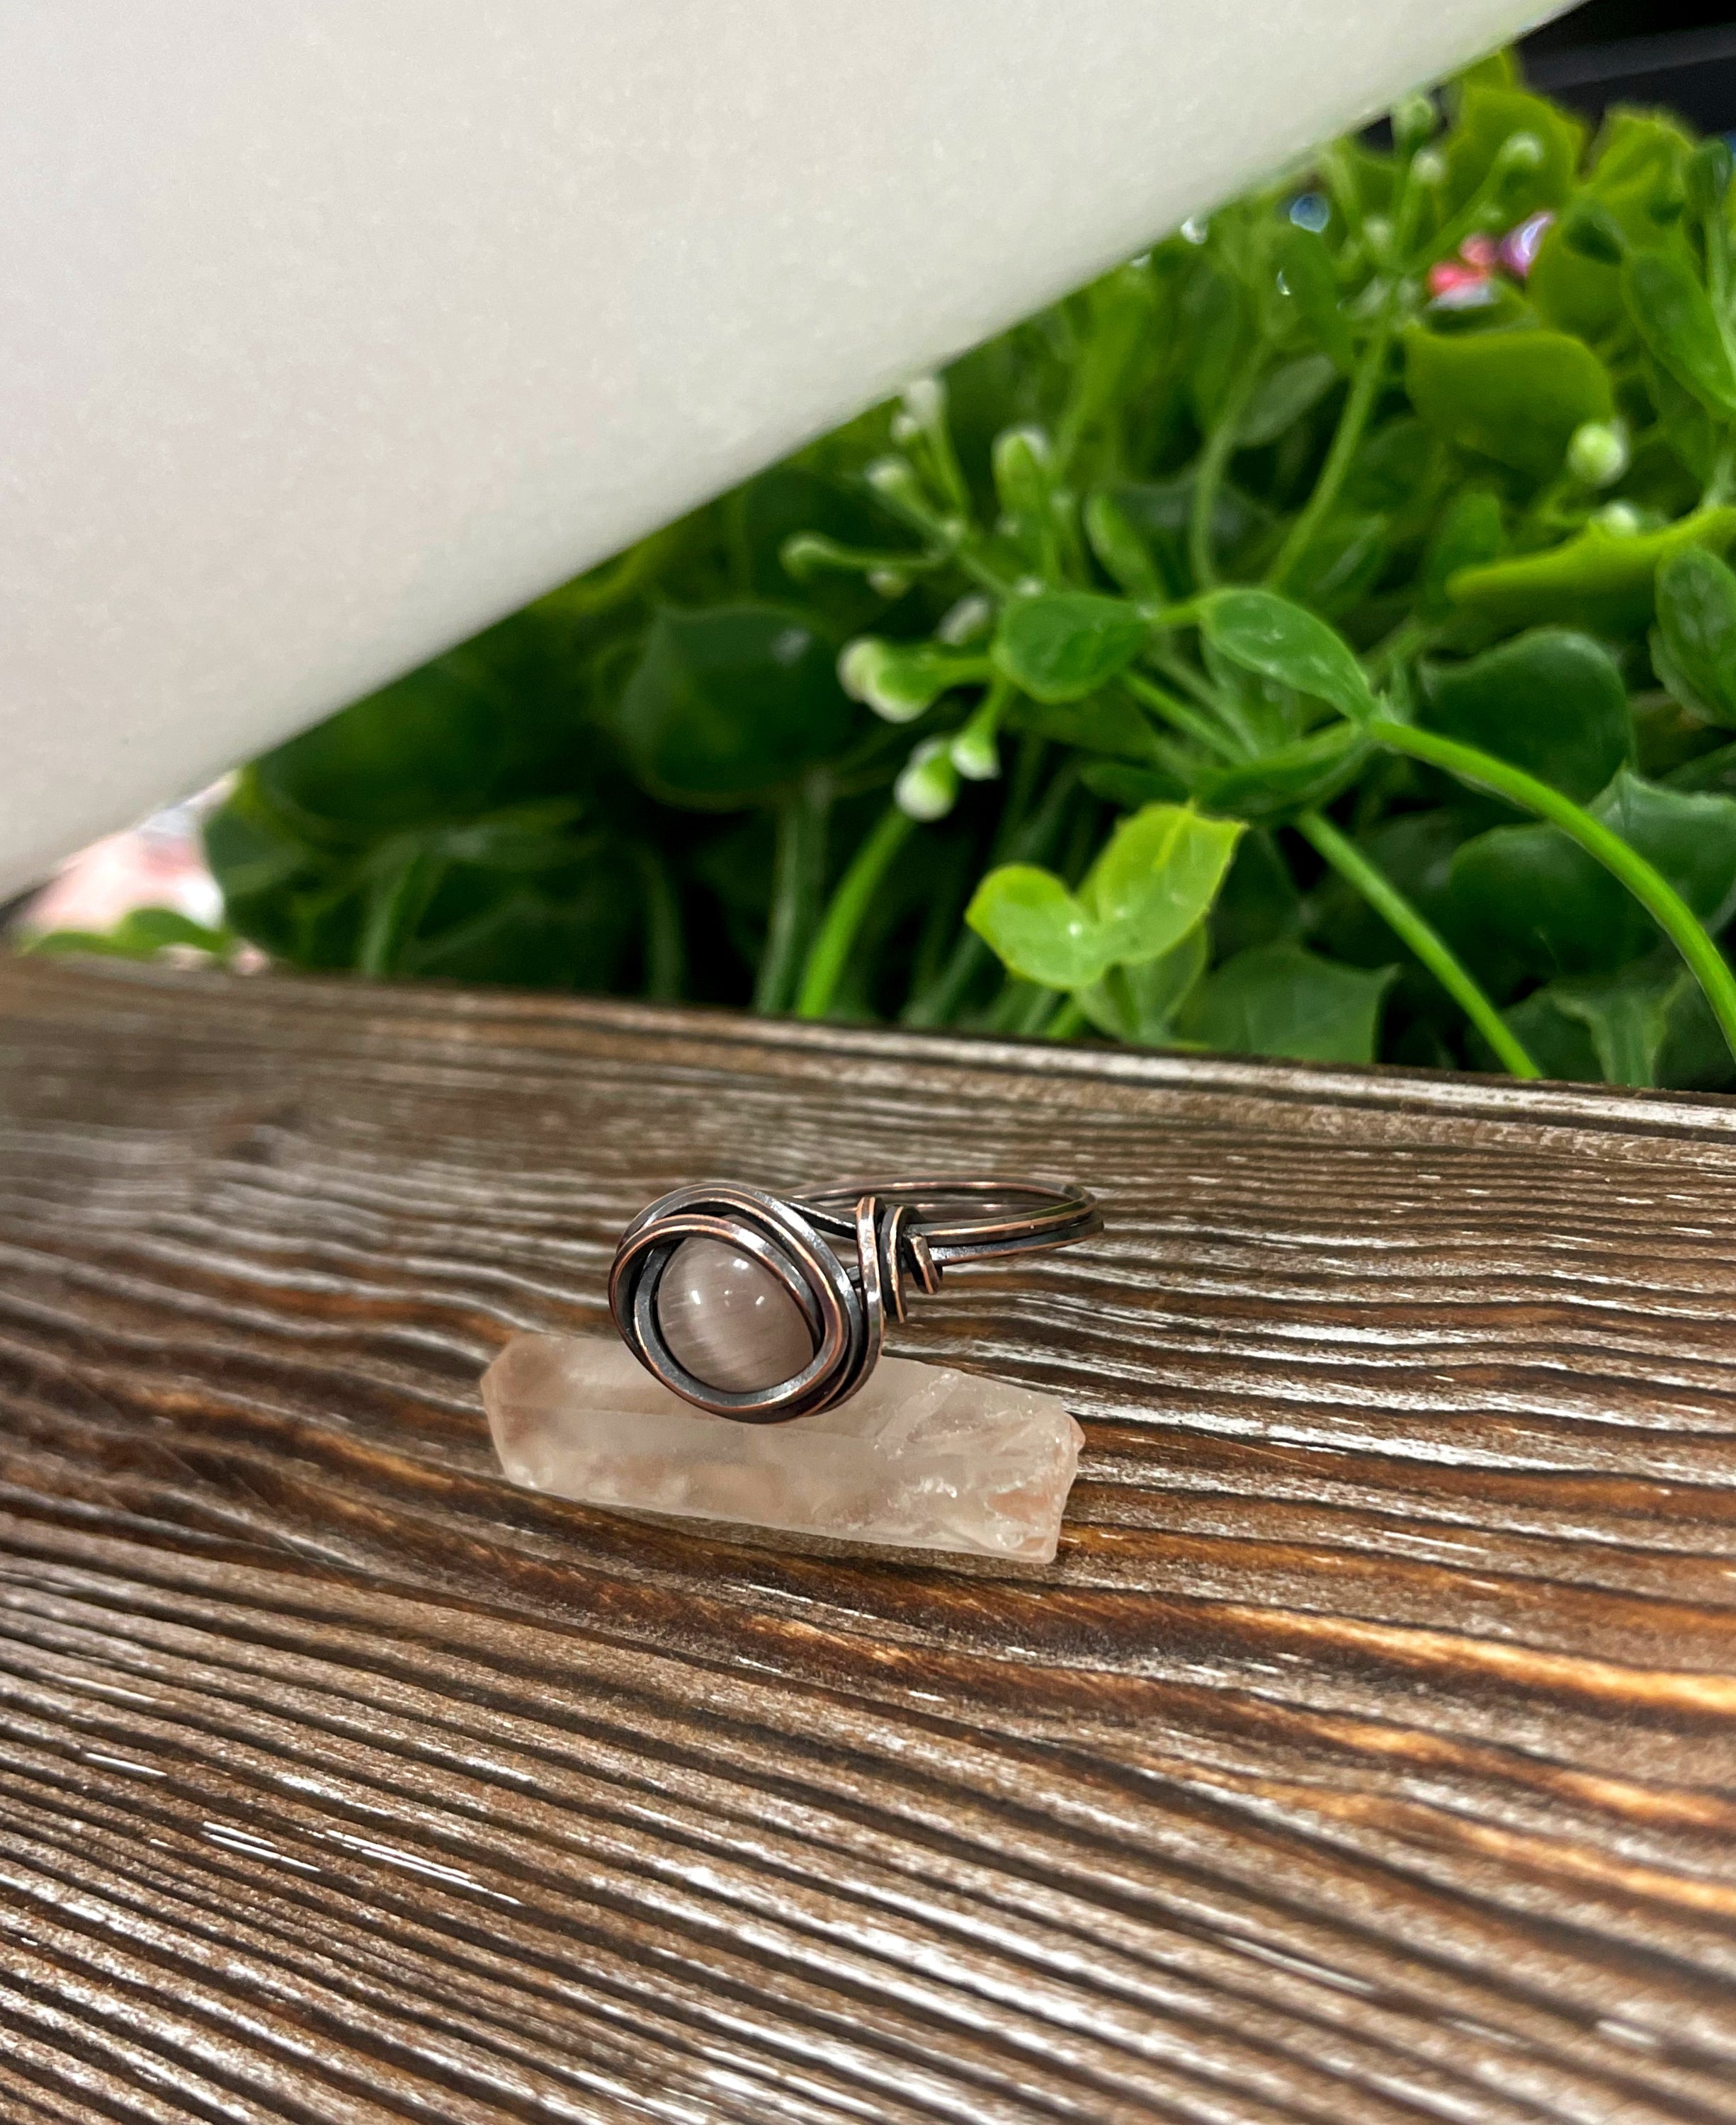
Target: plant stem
pixel 1654 893
pixel 1208 475
pixel 1027 841
pixel 1195 723
pixel 1069 1019
pixel 1023 784
pixel 831 950
pixel 976 745
pixel 1405 640
pixel 1365 387
pixel 397 902
pixel 1451 234
pixel 602 589
pixel 1723 476
pixel 1706 770
pixel 800 866
pixel 1430 947
pixel 935 1005
pixel 665 948
pixel 1022 1010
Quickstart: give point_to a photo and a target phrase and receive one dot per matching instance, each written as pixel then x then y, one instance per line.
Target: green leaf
pixel 1282 1000
pixel 575 928
pixel 900 681
pixel 728 704
pixel 1036 929
pixel 1216 314
pixel 1495 69
pixel 1695 1055
pixel 1516 396
pixel 1106 723
pixel 1469 535
pixel 1268 635
pixel 1616 1028
pixel 1489 117
pixel 1673 315
pixel 1338 567
pixel 1601 581
pixel 1697 618
pixel 1397 471
pixel 1157 879
pixel 1283 396
pixel 1691 839
pixel 150 929
pixel 434 744
pixel 1140 1002
pixel 140 934
pixel 1122 315
pixel 1158 513
pixel 1154 883
pixel 1638 172
pixel 1627 1016
pixel 1128 787
pixel 1311 772
pixel 1065 644
pixel 1116 541
pixel 1707 179
pixel 1530 893
pixel 1650 1025
pixel 1559 1045
pixel 1550 701
pixel 1258 903
pixel 1312 282
pixel 1528 896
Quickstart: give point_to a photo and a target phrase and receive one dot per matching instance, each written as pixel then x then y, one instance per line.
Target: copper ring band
pixel 847 1255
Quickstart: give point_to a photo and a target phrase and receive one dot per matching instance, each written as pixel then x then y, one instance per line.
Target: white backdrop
pixel 333 329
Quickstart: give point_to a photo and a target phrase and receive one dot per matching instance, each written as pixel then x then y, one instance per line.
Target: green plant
pixel 1309 639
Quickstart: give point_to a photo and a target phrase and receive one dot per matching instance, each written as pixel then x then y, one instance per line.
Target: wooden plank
pixel 1366 1756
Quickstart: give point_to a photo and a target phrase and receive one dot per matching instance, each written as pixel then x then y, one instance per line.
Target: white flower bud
pixel 925 401
pixel 967 621
pixel 873 672
pixel 1413 120
pixel 1522 151
pixel 1598 454
pixel 928 789
pixel 976 755
pixel 1620 518
pixel 894 480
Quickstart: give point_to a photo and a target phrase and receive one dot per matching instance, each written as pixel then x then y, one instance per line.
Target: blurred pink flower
pixel 160 864
pixel 1468 280
pixel 1457 286
pixel 1518 251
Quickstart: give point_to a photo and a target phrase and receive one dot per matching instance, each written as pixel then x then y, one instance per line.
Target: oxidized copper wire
pixel 848 1256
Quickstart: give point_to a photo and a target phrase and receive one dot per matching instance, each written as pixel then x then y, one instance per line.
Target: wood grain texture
pixel 1369 1754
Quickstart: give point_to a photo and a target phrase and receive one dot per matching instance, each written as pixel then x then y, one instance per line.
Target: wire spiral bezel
pixel 896 1231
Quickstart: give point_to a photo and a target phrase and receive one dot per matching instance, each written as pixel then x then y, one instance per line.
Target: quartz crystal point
pixel 923 1457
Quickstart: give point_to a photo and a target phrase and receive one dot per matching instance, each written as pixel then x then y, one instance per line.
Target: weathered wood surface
pixel 1367 1756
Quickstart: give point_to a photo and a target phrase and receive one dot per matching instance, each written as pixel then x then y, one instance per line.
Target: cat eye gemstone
pixel 728 1321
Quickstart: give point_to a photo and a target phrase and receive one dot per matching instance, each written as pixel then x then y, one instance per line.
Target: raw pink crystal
pixel 924 1456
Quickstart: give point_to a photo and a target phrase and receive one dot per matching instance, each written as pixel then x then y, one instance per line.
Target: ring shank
pixel 966 1220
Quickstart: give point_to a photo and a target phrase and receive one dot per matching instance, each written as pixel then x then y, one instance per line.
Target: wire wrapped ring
pixel 847 1256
